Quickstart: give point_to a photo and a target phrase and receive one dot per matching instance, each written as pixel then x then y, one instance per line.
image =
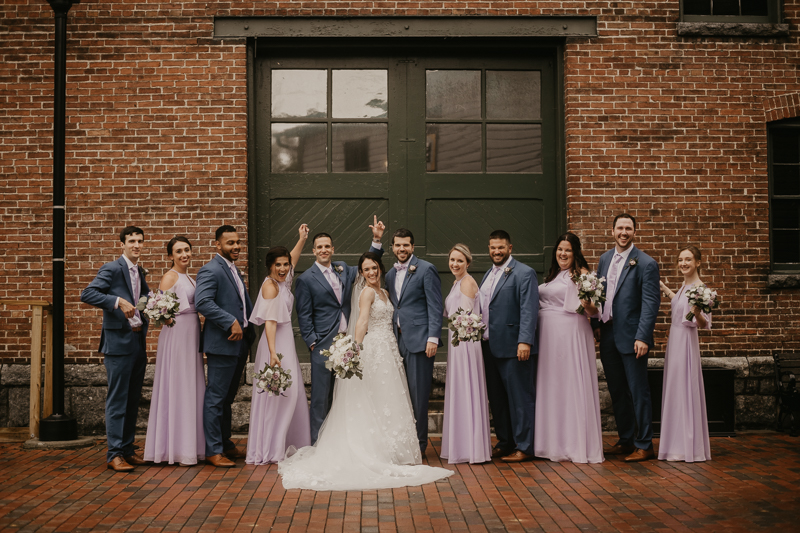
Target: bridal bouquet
pixel 702 297
pixel 273 379
pixel 344 357
pixel 590 287
pixel 159 306
pixel 466 326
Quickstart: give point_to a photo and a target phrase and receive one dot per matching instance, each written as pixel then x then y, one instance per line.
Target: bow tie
pixel 400 266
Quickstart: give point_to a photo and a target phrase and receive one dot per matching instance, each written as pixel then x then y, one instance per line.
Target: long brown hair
pixel 578 261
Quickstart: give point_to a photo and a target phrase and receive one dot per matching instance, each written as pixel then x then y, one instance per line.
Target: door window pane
pixel 785 180
pixel 513 148
pixel 453 147
pixel 299 93
pixel 360 94
pixel 359 147
pixel 453 94
pixel 299 147
pixel 513 94
pixel 786 246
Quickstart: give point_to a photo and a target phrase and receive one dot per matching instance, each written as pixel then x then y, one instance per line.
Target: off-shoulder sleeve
pixel 274 309
pixel 571 301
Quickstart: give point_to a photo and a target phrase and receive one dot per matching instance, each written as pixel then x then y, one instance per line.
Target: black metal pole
pixel 58 426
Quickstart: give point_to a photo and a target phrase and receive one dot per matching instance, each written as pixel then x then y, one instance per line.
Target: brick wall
pixel 671 129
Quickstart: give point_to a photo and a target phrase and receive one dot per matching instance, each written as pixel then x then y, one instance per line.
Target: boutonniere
pixel 143 271
pixel 507 271
pixel 241 272
pixel 633 262
pixel 412 269
pixel 338 268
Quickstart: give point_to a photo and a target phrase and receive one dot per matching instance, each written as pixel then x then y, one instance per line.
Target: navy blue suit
pixel 319 317
pixel 634 311
pixel 217 299
pixel 124 352
pixel 420 312
pixel 511 383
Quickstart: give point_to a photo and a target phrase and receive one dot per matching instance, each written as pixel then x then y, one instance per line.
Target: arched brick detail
pixel 783 106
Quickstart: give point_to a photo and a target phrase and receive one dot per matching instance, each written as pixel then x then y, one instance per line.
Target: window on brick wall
pixel 784 172
pixel 730 11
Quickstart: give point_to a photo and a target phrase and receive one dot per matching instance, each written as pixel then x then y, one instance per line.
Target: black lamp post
pixel 59 426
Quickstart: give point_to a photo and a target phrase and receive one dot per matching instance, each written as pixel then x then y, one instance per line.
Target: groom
pixel 416 293
pixel 222 298
pixel 322 296
pixel 625 333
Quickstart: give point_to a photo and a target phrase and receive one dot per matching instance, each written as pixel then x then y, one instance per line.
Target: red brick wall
pixel 671 129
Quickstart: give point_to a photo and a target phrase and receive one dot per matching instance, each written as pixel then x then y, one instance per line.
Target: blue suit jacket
pixel 513 310
pixel 419 307
pixel 113 281
pixel 217 299
pixel 636 299
pixel 318 310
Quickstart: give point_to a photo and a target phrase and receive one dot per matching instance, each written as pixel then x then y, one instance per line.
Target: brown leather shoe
pixel 220 461
pixel 235 453
pixel 136 460
pixel 620 449
pixel 498 452
pixel 118 464
pixel 641 455
pixel 517 457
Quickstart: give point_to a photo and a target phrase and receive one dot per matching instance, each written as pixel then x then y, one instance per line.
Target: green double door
pixel 449 142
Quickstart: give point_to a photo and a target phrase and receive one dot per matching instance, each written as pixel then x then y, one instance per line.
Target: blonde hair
pixel 463 249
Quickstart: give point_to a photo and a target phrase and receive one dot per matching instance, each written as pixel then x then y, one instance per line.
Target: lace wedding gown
pixel 369 440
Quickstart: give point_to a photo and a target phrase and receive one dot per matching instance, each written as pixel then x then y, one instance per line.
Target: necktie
pixel 486 294
pixel 136 288
pixel 402 269
pixel 611 287
pixel 334 283
pixel 240 286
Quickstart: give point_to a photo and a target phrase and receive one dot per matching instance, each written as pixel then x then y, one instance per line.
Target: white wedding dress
pixel 368 440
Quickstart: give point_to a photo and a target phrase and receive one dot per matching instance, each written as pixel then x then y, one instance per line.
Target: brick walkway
pixel 753 483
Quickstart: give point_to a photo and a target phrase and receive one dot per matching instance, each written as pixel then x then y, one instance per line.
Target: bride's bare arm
pixel 364 305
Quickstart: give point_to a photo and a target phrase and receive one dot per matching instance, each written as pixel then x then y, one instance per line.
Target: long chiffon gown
pixel 567 399
pixel 277 422
pixel 684 422
pixel 466 436
pixel 175 425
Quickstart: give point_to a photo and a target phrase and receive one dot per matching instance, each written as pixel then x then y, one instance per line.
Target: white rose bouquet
pixel 344 357
pixel 466 326
pixel 590 287
pixel 160 307
pixel 704 298
pixel 273 379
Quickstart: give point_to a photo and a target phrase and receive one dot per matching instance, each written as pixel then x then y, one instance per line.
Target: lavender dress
pixel 567 400
pixel 465 430
pixel 175 425
pixel 684 423
pixel 277 422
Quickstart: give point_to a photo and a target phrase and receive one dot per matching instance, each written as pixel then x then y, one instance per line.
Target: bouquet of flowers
pixel 344 357
pixel 159 306
pixel 590 287
pixel 702 297
pixel 273 379
pixel 466 326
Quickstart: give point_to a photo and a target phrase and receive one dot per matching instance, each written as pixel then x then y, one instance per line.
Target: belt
pixel 137 329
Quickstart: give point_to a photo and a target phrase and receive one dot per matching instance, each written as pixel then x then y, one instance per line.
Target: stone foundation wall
pixel 85 393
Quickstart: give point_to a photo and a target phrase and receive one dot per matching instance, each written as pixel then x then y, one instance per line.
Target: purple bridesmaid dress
pixel 277 422
pixel 465 430
pixel 567 400
pixel 684 422
pixel 175 425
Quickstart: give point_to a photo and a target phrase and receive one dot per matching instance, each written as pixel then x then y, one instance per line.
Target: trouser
pixel 419 371
pixel 224 377
pixel 322 382
pixel 125 374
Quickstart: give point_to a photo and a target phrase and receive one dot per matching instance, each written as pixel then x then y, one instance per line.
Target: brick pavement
pixel 752 484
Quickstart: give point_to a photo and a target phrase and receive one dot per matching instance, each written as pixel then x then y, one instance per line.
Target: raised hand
pixel 303 231
pixel 377 228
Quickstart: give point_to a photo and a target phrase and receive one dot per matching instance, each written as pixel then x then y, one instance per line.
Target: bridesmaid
pixel 278 422
pixel 465 430
pixel 567 400
pixel 684 423
pixel 175 425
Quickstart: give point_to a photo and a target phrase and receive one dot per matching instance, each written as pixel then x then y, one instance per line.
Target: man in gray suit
pixel 625 332
pixel 116 290
pixel 222 298
pixel 510 305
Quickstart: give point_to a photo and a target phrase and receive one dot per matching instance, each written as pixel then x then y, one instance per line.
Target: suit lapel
pixel 128 282
pixel 503 278
pixel 227 271
pixel 322 280
pixel 411 263
pixel 390 277
pixel 625 269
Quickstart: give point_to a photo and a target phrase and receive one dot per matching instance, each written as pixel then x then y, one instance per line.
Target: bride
pixel 369 440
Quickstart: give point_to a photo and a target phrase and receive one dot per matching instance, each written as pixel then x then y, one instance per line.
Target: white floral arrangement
pixel 704 298
pixel 273 380
pixel 590 287
pixel 344 357
pixel 160 307
pixel 466 326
